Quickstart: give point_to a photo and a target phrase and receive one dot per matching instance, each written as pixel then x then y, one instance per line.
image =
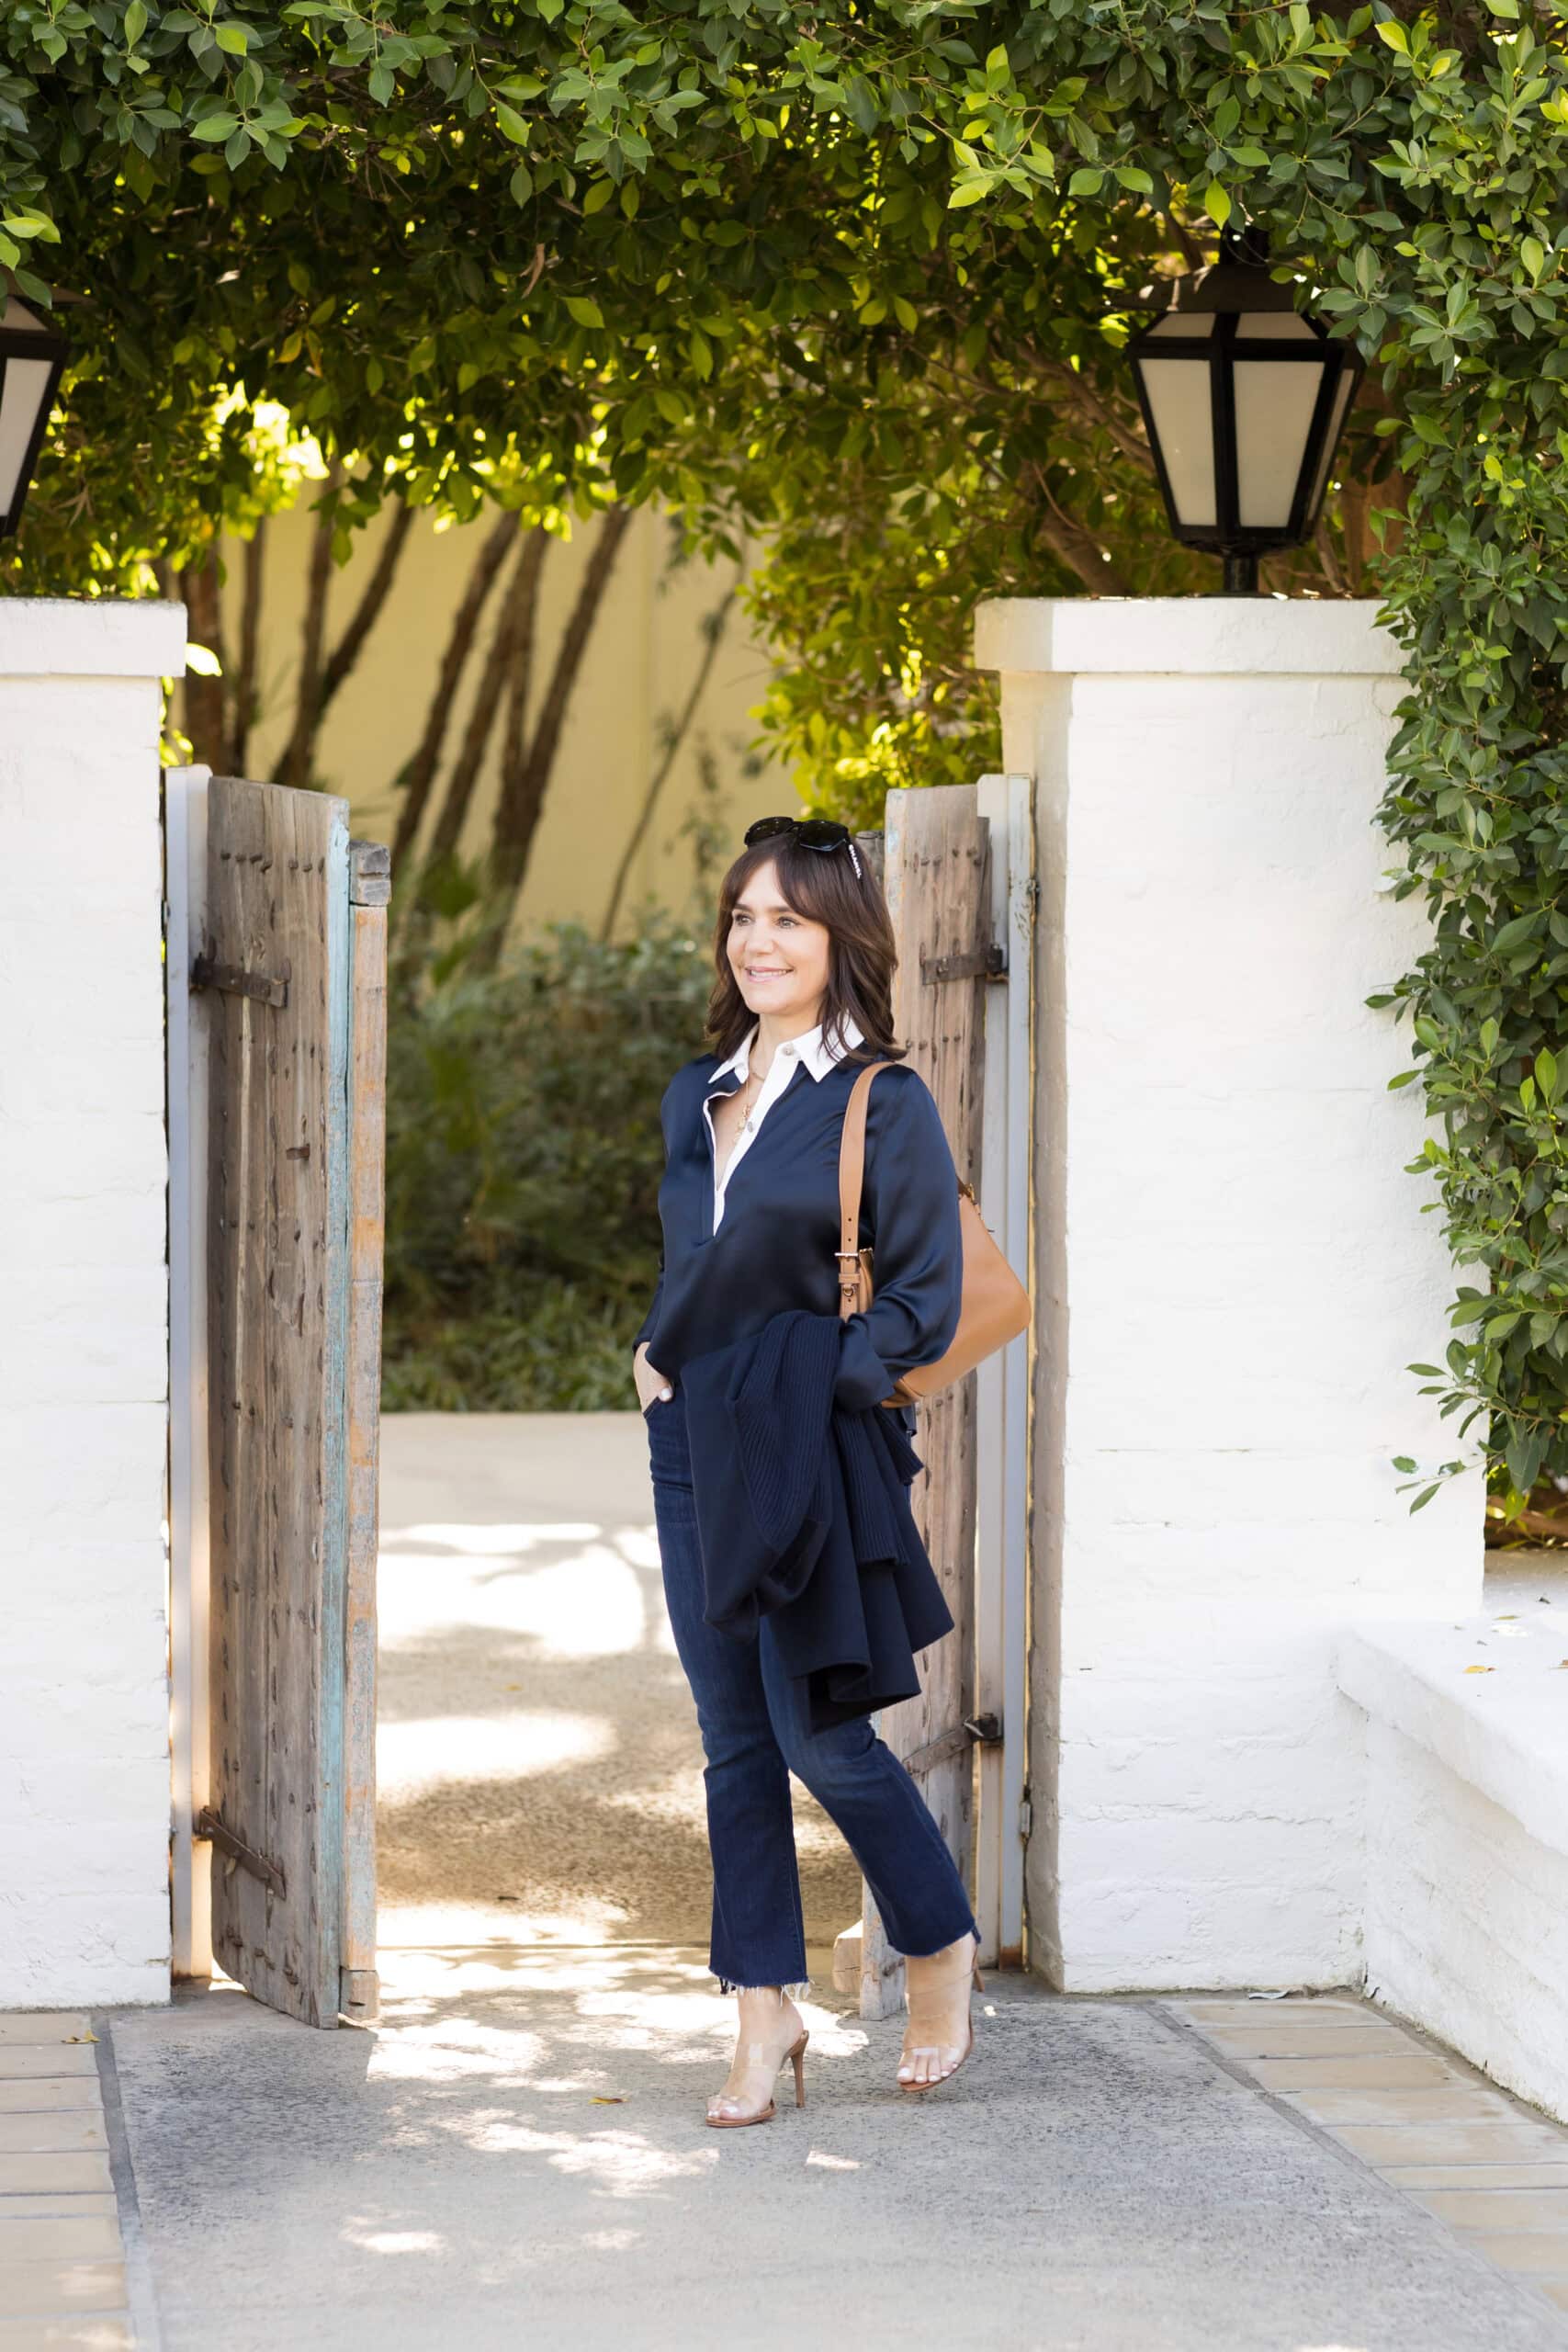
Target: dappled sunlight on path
pixel 540 1774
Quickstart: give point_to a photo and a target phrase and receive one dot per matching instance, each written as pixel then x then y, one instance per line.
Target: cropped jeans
pixel 755 1726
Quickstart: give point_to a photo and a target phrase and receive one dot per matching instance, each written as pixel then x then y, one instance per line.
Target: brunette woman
pixel 805 957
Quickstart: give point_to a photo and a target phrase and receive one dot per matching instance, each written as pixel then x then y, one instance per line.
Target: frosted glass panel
pixel 1177 391
pixel 1342 392
pixel 1273 417
pixel 1273 326
pixel 24 385
pixel 1189 324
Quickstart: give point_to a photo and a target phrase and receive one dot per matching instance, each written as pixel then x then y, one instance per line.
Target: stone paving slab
pixel 37 2093
pixel 516 2158
pixel 1489 2167
pixel 62 2277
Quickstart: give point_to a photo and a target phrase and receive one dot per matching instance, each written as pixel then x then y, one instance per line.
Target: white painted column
pixel 83 1355
pixel 1232 1275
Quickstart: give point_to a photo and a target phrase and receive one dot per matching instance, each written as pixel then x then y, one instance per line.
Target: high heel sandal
pixel 795 2053
pixel 924 2018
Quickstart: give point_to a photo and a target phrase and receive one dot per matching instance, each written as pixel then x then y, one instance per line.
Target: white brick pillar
pixel 1233 1275
pixel 84 1360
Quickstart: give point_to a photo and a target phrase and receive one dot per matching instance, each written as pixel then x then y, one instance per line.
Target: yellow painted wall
pixel 640 667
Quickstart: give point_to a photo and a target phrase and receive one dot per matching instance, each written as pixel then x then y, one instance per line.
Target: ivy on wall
pixel 856 279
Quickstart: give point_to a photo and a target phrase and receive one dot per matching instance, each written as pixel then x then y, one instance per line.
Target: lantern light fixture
pixel 1244 398
pixel 32 360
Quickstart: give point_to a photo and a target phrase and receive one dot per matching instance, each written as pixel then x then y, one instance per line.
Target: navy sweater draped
pixel 803 1515
pixel 800 1474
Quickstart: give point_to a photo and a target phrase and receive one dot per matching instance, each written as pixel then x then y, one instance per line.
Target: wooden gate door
pixel 293 967
pixel 936 873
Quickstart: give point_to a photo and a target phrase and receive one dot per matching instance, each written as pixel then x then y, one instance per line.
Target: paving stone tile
pixel 1378 2071
pixel 1309 2042
pixel 42 2025
pixel 1542 2250
pixel 41 2289
pixel 35 2095
pixel 66 2202
pixel 94 2235
pixel 31 2175
pixel 55 2133
pixel 1540 2175
pixel 1498 2208
pixel 21 2059
pixel 1332 2010
pixel 93 2332
pixel 1458 2142
pixel 1463 2101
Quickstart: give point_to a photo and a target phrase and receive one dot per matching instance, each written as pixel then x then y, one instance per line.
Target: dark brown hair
pixel 822 886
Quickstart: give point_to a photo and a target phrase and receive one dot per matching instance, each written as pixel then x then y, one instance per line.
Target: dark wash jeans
pixel 756 1730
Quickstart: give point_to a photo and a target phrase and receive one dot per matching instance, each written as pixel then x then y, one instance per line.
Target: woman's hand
pixel 649 1383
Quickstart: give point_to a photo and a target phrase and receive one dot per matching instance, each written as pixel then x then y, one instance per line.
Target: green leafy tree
pixel 857 280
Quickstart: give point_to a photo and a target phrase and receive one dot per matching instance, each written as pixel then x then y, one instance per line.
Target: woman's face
pixel 779 958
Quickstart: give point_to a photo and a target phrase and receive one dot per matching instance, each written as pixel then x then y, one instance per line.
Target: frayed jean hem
pixel 799 1991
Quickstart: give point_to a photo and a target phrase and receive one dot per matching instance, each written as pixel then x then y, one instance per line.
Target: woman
pixel 805 957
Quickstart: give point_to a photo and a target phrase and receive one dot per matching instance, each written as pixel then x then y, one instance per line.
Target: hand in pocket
pixel 652 1385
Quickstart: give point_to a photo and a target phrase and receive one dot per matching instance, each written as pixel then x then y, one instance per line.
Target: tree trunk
pixel 378 588
pixel 292 768
pixel 204 697
pixel 517 816
pixel 513 633
pixel 244 693
pixel 712 631
pixel 420 773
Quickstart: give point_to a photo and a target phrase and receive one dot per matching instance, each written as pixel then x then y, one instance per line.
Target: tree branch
pixel 244 693
pixel 512 622
pixel 378 588
pixel 518 820
pixel 420 773
pixel 293 767
pixel 713 626
pixel 204 712
pixel 1079 549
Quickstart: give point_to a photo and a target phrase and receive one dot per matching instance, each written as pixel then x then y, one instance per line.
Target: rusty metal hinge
pixel 207 974
pixel 988 963
pixel 975 1731
pixel 208 1825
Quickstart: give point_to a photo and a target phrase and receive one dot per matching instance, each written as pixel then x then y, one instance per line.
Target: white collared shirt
pixel 810 1049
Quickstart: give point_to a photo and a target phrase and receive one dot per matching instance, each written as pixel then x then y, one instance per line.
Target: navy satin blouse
pixel 774 1246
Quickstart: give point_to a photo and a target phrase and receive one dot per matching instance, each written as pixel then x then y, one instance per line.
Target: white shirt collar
pixel 818 1056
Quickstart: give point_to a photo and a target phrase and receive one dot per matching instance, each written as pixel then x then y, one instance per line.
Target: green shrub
pixel 523 1165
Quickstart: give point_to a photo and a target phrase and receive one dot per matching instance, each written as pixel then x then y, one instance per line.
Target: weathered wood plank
pixel 369 888
pixel 279 1337
pixel 937 880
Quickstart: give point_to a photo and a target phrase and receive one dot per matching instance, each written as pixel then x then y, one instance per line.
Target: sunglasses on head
pixel 811 832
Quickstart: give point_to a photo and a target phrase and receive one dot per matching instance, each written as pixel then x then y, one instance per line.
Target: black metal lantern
pixel 1244 399
pixel 32 359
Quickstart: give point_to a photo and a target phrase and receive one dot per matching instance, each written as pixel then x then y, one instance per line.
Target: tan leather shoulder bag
pixel 996 1304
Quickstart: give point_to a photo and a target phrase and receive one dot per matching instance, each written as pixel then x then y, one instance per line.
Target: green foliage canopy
pixel 858 279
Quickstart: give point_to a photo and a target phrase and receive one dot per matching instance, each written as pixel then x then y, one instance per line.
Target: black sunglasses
pixel 811 832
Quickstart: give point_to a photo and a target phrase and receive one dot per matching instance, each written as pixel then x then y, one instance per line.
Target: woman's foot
pixel 769 2030
pixel 939 2034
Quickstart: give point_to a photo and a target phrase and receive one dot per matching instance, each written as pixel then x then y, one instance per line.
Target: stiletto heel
pixel 795 2053
pixel 926 2017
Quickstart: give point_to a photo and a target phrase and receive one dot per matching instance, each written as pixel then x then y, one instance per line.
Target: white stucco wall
pixel 1233 1275
pixel 1466 1848
pixel 84 1701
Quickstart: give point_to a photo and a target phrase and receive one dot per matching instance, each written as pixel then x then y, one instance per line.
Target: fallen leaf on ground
pixel 605 2101
pixel 1480 1669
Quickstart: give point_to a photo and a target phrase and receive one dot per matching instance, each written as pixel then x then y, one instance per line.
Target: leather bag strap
pixel 852 1175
